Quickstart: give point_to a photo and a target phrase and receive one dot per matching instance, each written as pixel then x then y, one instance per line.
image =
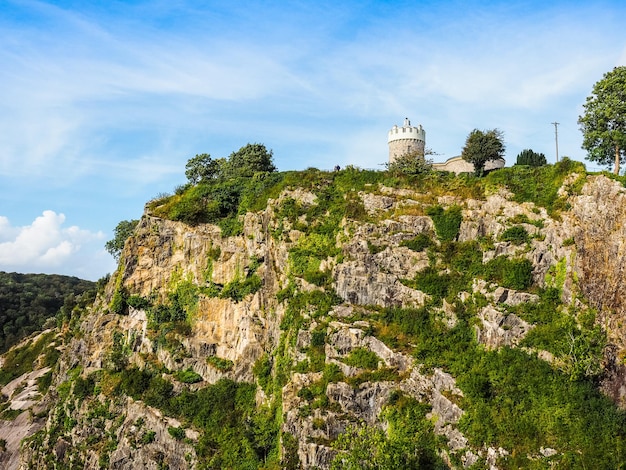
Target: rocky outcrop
pixel 370 270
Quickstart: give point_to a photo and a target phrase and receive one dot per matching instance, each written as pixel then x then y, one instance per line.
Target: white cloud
pixel 47 246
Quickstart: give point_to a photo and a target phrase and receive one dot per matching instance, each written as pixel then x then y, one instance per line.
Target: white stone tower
pixel 406 139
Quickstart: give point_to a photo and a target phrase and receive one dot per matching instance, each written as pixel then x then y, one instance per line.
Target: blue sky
pixel 103 102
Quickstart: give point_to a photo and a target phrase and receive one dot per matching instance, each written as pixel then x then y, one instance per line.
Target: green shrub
pixel 362 358
pixel 318 337
pixel 176 433
pixel 512 273
pixel 134 381
pixel 539 185
pixel 83 387
pixel 238 289
pixel 262 370
pixel 43 382
pixel 447 222
pixel 418 243
pixel 188 376
pixel 516 235
pixel 118 302
pixel 138 302
pixel 148 437
pixel 220 363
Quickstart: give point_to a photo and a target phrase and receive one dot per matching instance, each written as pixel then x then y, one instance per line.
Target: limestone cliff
pixel 363 315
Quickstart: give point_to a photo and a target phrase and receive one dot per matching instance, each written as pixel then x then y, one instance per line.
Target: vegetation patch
pixel 21 360
pixel 447 222
pixel 418 243
pixel 188 376
pixel 511 273
pixel 220 363
pixel 517 235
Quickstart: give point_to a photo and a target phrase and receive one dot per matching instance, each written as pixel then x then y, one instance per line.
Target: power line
pixel 556 139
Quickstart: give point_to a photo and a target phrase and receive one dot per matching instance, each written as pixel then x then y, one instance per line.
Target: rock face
pixel 367 269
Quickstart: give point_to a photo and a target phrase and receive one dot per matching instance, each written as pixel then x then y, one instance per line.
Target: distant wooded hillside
pixel 28 300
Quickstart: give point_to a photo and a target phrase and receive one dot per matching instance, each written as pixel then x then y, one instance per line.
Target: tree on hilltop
pixel 482 147
pixel 531 158
pixel 202 168
pixel 603 123
pixel 249 160
pixel 244 163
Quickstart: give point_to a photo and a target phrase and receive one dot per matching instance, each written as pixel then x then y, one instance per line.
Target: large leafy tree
pixel 481 147
pixel 202 168
pixel 249 160
pixel 603 123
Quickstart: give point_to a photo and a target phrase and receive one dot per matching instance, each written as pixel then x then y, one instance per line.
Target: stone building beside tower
pixel 411 140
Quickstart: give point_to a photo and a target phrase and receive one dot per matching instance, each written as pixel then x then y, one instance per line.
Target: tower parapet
pixel 405 140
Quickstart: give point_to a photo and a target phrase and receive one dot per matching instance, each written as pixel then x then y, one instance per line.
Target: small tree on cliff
pixel 122 231
pixel 482 147
pixel 604 122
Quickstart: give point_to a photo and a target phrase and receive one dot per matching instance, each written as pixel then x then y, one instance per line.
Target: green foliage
pixel 248 161
pixel 512 273
pixel 134 381
pixel 119 305
pixel 188 376
pixel 516 235
pixel 531 158
pixel 539 185
pixel 21 359
pixel 262 370
pixel 447 222
pixel 362 358
pixel 176 433
pixel 181 305
pixel 412 163
pixel 28 300
pixel 138 302
pixel 306 257
pixel 481 147
pixel 117 360
pixel 220 363
pixel 419 242
pixel 511 398
pixel 202 168
pixel 221 189
pixel 238 289
pixel 44 382
pixel 83 387
pixel 123 230
pixel 409 443
pixel 148 437
pixel 603 123
pixel 432 283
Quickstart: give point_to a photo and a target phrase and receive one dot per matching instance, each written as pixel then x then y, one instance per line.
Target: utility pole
pixel 556 139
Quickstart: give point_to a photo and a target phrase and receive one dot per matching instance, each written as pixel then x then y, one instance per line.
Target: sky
pixel 103 102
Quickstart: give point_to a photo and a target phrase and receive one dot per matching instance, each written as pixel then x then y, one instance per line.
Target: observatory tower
pixel 406 140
